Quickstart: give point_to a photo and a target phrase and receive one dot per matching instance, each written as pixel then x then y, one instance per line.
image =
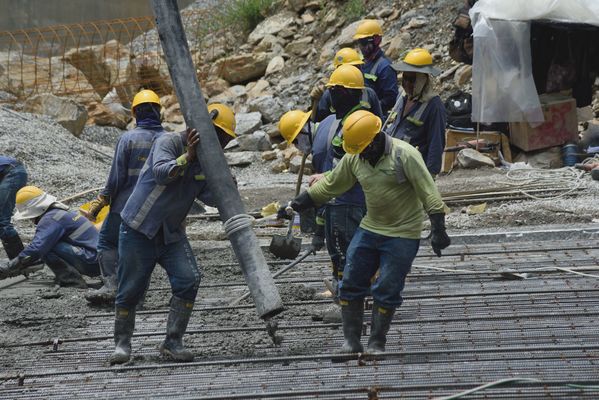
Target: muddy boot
pixel 352 313
pixel 178 317
pixel 12 246
pixel 381 320
pixel 106 294
pixel 124 323
pixel 66 275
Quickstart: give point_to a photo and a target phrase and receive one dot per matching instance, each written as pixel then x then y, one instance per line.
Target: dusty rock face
pixel 271 26
pixel 247 122
pixel 300 47
pixel 241 68
pixel 215 87
pixel 257 141
pixel 345 39
pixel 270 107
pixel 275 65
pixel 240 158
pixel 66 112
pixel 398 44
pixel 102 115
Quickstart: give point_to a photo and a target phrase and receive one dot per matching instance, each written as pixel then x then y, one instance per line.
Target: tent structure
pixel 503 87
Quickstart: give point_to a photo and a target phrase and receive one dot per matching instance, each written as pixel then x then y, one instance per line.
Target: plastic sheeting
pixel 573 11
pixel 503 88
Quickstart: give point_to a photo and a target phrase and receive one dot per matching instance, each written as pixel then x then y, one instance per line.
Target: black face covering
pixel 223 137
pixel 373 152
pixel 344 99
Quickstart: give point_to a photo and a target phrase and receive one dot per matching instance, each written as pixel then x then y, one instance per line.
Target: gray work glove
pixel 439 238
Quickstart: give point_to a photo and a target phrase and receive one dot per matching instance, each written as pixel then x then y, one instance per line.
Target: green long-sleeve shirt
pixel 396 189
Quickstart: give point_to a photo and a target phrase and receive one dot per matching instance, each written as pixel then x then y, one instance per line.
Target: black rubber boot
pixel 352 314
pixel 106 294
pixel 66 275
pixel 124 324
pixel 381 321
pixel 13 246
pixel 178 317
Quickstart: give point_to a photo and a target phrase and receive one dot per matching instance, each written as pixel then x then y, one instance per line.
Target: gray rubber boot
pixel 108 260
pixel 65 274
pixel 124 324
pixel 352 314
pixel 381 321
pixel 13 246
pixel 178 317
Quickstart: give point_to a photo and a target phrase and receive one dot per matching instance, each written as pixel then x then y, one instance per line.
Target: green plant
pixel 244 14
pixel 353 9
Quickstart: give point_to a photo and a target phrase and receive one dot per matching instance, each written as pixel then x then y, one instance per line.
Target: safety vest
pixel 394 118
pixel 372 73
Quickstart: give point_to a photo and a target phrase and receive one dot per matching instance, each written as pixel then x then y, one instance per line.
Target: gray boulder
pixel 71 115
pixel 247 122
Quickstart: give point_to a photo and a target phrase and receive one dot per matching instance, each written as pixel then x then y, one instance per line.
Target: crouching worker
pixel 397 186
pixel 152 232
pixel 64 240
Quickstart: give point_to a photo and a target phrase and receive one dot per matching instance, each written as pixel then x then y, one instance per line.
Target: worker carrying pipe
pixel 397 186
pixel 130 155
pixel 152 232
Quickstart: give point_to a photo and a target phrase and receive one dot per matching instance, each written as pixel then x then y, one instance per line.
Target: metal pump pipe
pixel 220 181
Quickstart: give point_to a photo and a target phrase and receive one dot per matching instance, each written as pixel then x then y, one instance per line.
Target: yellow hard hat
pixel 291 123
pixel 347 55
pixel 225 119
pixel 31 202
pixel 368 28
pixel 359 129
pixel 417 60
pixel 145 96
pixel 347 76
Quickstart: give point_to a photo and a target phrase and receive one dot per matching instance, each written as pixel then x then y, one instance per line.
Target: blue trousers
pixel 73 256
pixel 138 256
pixel 370 251
pixel 341 222
pixel 15 179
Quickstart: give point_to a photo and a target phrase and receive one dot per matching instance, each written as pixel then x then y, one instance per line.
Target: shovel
pixel 286 247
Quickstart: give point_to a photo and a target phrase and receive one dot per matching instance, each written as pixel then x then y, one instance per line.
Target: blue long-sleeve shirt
pixel 427 132
pixel 130 155
pixel 165 191
pixel 325 104
pixel 57 225
pixel 323 159
pixel 383 79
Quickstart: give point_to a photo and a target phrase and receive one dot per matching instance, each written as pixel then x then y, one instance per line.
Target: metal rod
pixel 220 182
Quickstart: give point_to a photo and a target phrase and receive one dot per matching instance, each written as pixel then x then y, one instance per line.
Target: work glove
pixel 439 238
pixel 9 267
pixel 317 91
pixel 300 203
pixel 318 238
pixel 96 206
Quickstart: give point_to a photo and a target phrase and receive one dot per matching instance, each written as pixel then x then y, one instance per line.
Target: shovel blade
pixel 285 247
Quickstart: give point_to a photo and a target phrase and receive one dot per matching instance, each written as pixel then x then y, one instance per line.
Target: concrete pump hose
pixel 237 223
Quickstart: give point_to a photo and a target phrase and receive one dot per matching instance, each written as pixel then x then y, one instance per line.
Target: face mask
pixel 344 100
pixel 373 152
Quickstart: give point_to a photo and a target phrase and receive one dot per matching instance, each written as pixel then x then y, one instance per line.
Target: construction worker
pixel 377 70
pixel 397 186
pixel 152 232
pixel 418 116
pixel 342 215
pixel 13 177
pixel 64 240
pixel 130 155
pixel 369 99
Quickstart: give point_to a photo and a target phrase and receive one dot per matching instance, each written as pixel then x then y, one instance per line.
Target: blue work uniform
pixel 423 127
pixel 66 235
pixel 342 214
pixel 130 155
pixel 369 102
pixel 152 230
pixel 380 76
pixel 13 177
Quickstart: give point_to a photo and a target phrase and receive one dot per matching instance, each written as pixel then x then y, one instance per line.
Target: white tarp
pixel 503 88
